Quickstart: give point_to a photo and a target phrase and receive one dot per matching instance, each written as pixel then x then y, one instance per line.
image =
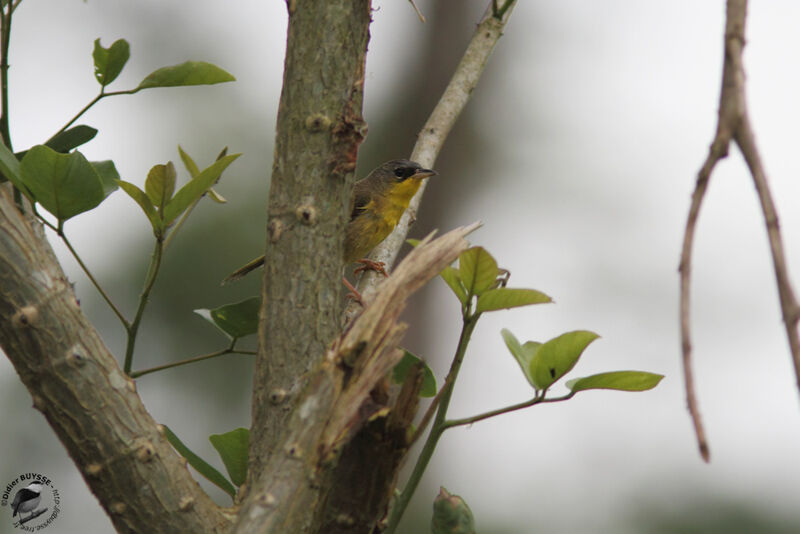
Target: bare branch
pixel 734 124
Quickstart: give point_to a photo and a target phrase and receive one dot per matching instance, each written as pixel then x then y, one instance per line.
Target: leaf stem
pixel 150 280
pixel 539 399
pixel 401 503
pixel 500 13
pixel 228 350
pixel 60 231
pixel 5 41
pixel 94 101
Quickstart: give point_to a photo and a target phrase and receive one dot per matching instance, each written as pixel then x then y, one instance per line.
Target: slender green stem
pixel 401 503
pixel 180 222
pixel 499 13
pixel 150 280
pixel 539 399
pixel 229 350
pixel 92 279
pixel 5 41
pixel 94 101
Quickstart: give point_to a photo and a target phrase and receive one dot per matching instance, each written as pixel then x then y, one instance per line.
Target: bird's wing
pixel 361 198
pixel 22 495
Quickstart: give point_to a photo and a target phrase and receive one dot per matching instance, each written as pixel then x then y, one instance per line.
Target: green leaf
pixel 108 62
pixel 195 188
pixel 233 449
pixel 403 369
pixel 478 270
pixel 188 73
pixel 524 354
pixel 145 203
pixel 160 184
pixel 504 298
pixel 413 242
pixel 216 197
pixel 64 184
pixel 558 356
pixel 9 166
pixel 200 465
pixel 451 515
pixel 108 175
pixel 453 279
pixel 67 140
pixel 194 170
pixel 235 320
pixel 74 137
pixel 189 163
pixel 618 380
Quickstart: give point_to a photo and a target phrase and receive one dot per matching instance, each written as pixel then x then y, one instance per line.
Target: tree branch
pixel 318 133
pixel 733 124
pixel 433 135
pixel 88 401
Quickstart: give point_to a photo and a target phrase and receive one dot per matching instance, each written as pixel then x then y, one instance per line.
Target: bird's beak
pixel 424 173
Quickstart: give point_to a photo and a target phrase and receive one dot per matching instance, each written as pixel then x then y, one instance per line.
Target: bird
pixel 379 201
pixel 27 499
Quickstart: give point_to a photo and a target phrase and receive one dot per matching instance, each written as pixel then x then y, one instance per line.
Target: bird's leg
pixel 370 265
pixel 354 294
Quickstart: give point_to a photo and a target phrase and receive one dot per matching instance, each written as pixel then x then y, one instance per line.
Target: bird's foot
pixel 354 294
pixel 370 265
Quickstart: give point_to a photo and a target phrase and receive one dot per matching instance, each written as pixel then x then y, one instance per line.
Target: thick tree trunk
pixel 319 130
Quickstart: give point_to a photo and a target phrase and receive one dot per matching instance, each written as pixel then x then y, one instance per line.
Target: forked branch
pixel 733 124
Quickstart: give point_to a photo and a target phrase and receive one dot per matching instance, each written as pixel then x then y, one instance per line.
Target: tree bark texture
pixel 92 406
pixel 319 129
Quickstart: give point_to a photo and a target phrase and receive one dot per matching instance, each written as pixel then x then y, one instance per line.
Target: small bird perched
pixel 379 201
pixel 27 499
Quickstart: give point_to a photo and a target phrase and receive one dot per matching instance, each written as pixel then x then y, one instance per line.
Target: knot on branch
pixel 307 214
pixel 25 317
pixel 275 229
pixel 94 470
pixel 76 356
pixel 317 123
pixel 278 396
pixel 145 452
pixel 265 500
pixel 186 504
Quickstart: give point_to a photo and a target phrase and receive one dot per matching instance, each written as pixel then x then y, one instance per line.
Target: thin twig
pixel 5 41
pixel 416 9
pixel 734 124
pixel 223 352
pixel 92 279
pixel 540 399
pixel 150 280
pixel 91 103
pixel 789 307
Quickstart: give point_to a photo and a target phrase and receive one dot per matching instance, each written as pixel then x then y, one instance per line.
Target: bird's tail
pixel 244 270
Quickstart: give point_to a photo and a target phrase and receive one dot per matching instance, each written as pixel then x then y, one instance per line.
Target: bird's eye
pixel 404 172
